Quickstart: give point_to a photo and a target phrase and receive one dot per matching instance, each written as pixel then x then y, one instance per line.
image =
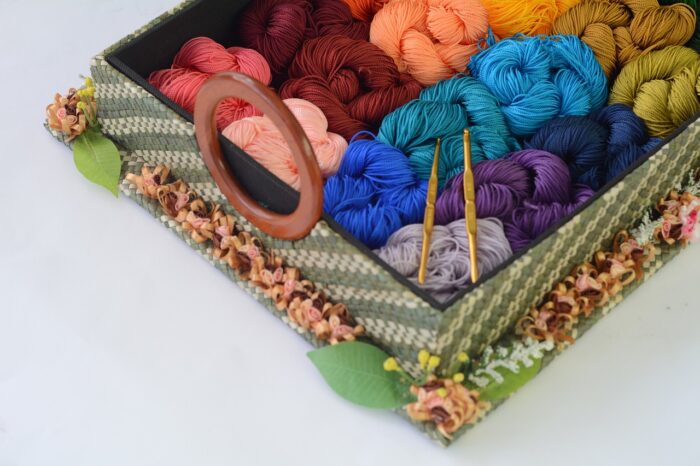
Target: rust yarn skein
pixel 278 28
pixel 353 82
pixel 619 31
pixel 431 40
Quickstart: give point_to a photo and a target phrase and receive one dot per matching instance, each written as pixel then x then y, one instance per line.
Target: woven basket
pixel 397 317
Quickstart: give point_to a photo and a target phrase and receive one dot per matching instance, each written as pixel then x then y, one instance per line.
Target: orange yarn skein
pixel 364 10
pixel 430 39
pixel 619 31
pixel 529 17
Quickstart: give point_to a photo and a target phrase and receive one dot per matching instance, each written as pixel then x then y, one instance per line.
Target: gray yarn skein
pixel 448 268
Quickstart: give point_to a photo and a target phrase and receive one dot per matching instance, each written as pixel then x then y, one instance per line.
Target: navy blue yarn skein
pixel 375 192
pixel 598 147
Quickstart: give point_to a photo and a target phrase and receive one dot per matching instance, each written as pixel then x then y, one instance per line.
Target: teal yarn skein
pixel 536 79
pixel 445 110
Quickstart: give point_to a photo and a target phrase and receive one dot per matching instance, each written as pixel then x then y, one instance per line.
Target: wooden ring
pixel 226 85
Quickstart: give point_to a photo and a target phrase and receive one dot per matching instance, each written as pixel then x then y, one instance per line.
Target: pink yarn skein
pixel 260 138
pixel 201 58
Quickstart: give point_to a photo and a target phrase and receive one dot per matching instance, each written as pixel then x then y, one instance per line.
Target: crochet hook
pixel 470 205
pixel 429 218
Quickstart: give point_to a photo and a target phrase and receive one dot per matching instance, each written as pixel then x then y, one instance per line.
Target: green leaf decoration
pixel 355 371
pixel 97 158
pixel 511 383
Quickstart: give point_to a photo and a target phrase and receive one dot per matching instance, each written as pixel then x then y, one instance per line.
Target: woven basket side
pixel 152 133
pixel 491 310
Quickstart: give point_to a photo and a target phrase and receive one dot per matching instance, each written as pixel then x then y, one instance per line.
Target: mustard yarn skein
pixel 662 87
pixel 620 31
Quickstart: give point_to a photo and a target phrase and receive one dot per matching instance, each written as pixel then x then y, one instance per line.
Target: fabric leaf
pixel 355 371
pixel 97 158
pixel 511 383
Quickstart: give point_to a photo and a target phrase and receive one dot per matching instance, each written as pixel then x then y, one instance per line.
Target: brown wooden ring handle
pixel 225 85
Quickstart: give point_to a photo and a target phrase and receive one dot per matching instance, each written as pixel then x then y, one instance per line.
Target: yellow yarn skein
pixel 662 87
pixel 529 17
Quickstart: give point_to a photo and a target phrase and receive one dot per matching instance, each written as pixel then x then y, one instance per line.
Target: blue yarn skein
pixel 536 79
pixel 443 111
pixel 598 147
pixel 375 192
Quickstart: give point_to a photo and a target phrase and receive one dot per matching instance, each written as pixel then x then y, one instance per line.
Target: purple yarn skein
pixel 529 191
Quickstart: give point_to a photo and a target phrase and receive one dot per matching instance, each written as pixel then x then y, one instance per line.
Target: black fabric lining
pixel 155 49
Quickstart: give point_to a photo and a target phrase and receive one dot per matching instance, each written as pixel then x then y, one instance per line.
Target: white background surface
pixel 120 346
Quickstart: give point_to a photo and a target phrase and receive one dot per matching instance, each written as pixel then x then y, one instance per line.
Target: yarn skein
pixel 261 139
pixel 552 198
pixel 199 59
pixel 529 191
pixel 278 28
pixel 364 10
pixel 443 111
pixel 503 185
pixel 598 147
pixel 536 79
pixel 448 266
pixel 694 43
pixel 663 88
pixel 430 39
pixel 619 31
pixel 529 17
pixel 353 82
pixel 374 192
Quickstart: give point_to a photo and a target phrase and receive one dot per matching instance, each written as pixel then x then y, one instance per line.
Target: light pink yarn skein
pixel 261 139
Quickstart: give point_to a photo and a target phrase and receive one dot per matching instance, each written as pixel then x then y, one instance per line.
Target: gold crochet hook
pixel 429 220
pixel 470 205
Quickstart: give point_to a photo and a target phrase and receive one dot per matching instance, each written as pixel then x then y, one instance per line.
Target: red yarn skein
pixel 353 82
pixel 278 28
pixel 200 58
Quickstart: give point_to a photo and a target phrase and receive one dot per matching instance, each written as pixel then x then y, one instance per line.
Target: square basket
pixel 397 316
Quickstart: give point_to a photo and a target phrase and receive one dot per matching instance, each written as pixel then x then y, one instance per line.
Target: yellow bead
pixel 423 357
pixel 458 378
pixel 462 357
pixel 433 362
pixel 390 365
pixel 442 392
